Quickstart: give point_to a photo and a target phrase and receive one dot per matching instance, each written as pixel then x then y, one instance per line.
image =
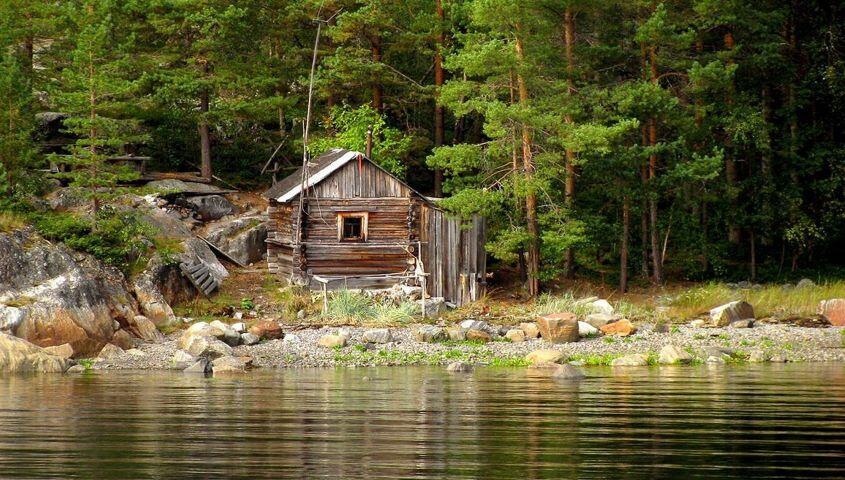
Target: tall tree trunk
pixel 644 178
pixel 656 257
pixel 205 141
pixel 569 187
pixel 623 249
pixel 439 125
pixel 731 174
pixel 533 253
pixel 375 49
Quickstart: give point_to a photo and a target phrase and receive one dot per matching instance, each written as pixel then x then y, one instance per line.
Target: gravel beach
pixel 300 347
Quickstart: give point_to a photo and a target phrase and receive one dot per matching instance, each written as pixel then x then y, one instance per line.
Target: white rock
pixel 587 330
pixel 378 335
pixel 182 356
pixel 632 360
pixel 515 335
pixel 724 315
pixel 239 327
pixel 671 354
pixel 602 306
pixel 292 339
pixel 249 339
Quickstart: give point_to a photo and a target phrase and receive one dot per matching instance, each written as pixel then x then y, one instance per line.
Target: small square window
pixel 352 227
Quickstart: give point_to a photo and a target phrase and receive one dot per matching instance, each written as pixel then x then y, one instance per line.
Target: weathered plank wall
pixel 359 180
pixel 454 257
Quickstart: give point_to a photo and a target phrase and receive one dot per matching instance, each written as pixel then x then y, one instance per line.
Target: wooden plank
pixel 219 252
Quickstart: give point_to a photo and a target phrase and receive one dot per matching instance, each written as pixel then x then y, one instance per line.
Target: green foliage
pixel 116 237
pixel 350 126
pixel 349 307
pixel 247 304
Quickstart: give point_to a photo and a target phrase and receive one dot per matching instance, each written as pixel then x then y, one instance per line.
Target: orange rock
pixel 834 310
pixel 267 329
pixel 621 328
pixel 559 327
pixel 478 336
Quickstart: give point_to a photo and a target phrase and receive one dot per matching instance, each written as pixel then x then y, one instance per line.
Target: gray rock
pixel 459 367
pixel 515 335
pixel 779 358
pixel 716 359
pixel 172 186
pixel 202 366
pixel 239 327
pixel 208 347
pixel 52 295
pixel 712 351
pixel 230 336
pixel 210 207
pixel 435 307
pixel 242 238
pixel 76 369
pixel 292 339
pixel 135 352
pixel 430 334
pixel 378 335
pixel 632 360
pixel 145 329
pixel 567 372
pixel 602 306
pixel 671 354
pixel 805 283
pixel 332 341
pixel 17 355
pixel 249 339
pixel 724 315
pixel 63 351
pixel 660 327
pixel 182 359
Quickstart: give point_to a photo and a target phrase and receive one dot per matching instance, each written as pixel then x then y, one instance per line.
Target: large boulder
pixel 671 354
pixel 51 295
pixel 242 238
pixel 559 327
pixel 834 311
pixel 145 329
pixel 18 355
pixel 210 207
pixel 724 315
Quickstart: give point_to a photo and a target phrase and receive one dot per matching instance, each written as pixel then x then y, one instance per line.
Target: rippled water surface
pixel 772 421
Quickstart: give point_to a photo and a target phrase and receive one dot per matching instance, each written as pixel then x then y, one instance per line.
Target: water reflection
pixel 774 421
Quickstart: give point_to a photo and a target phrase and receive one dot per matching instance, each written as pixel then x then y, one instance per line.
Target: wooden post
pixel 422 297
pixel 325 298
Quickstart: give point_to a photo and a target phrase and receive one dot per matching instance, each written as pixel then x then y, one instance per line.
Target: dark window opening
pixel 353 228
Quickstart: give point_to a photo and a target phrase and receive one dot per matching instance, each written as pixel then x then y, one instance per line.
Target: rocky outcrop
pixel 242 238
pixel 210 207
pixel 18 355
pixel 50 295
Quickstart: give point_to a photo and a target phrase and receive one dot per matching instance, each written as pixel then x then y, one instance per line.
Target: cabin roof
pixel 320 168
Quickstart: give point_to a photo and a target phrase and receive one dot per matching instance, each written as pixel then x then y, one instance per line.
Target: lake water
pixel 766 421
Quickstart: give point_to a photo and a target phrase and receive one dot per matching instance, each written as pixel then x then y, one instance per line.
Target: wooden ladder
pixel 199 274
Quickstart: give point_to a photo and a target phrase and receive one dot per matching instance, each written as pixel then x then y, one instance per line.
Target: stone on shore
pixel 230 364
pixel 621 328
pixel 332 341
pixel 459 367
pixel 602 306
pixel 430 334
pixel 758 356
pixel 110 351
pixel 587 330
pixel 249 339
pixel 239 327
pixel 202 366
pixel 145 329
pixel 724 315
pixel 456 333
pixel 230 336
pixel 76 369
pixel 632 360
pixel 672 354
pixel 378 335
pixel 515 335
pixel 779 358
pixel 267 330
pixel 206 346
pixel 531 330
pixel 18 355
pixel 559 327
pixel 834 311
pixel 474 335
pixel 198 329
pixel 567 372
pixel 545 355
pixel 434 307
pixel 599 320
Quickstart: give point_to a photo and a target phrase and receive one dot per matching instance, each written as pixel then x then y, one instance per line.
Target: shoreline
pixel 300 349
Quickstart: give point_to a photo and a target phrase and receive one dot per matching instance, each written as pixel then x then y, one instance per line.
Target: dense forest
pixel 629 141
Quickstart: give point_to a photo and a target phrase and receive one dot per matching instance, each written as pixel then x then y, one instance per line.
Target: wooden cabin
pixel 361 227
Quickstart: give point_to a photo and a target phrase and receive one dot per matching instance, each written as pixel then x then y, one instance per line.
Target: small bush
pixel 349 307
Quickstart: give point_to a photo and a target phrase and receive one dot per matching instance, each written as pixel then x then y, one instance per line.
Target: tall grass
pixel 768 301
pixel 352 308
